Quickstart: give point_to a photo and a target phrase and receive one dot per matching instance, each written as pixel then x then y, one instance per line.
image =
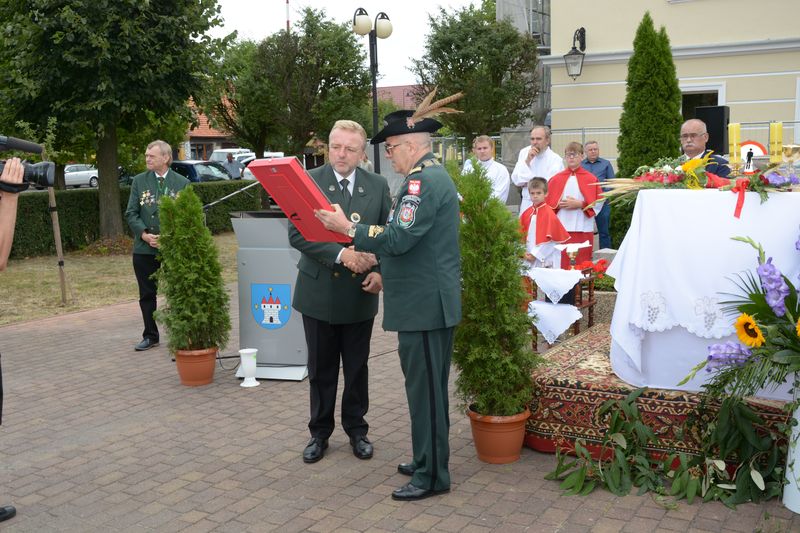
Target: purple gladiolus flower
pixel 793 179
pixel 775 288
pixel 726 354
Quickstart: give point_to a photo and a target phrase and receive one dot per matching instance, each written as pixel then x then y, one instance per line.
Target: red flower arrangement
pixel 599 267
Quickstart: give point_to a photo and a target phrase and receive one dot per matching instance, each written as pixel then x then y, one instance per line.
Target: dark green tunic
pixel 142 210
pixel 421 269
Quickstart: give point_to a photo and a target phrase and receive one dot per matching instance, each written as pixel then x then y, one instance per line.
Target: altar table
pixel 674 267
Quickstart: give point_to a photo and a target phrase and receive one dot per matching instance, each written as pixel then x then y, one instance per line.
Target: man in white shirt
pixel 497 173
pixel 537 160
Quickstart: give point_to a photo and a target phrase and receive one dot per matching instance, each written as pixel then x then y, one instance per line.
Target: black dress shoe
pixel 407 469
pixel 315 450
pixel 409 492
pixel 146 344
pixel 362 448
pixel 7 512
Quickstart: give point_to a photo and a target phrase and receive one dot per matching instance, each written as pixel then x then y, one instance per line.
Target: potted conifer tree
pixel 492 348
pixel 196 315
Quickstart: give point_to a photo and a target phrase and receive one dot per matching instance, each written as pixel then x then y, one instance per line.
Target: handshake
pixel 358 262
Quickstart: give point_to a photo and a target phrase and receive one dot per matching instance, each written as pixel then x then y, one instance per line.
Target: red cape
pixel 586 183
pixel 548 227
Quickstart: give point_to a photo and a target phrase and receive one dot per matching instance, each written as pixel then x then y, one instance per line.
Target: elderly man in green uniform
pixel 420 263
pixel 337 294
pixel 142 214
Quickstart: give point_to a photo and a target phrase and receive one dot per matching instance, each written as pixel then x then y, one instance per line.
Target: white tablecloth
pixel 674 267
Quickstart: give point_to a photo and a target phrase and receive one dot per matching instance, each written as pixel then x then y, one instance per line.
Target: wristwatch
pixel 351 231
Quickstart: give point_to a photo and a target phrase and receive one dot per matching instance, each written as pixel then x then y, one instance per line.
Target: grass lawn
pixel 30 288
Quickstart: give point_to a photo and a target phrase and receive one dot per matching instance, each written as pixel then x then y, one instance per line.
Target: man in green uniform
pixel 142 214
pixel 337 294
pixel 420 264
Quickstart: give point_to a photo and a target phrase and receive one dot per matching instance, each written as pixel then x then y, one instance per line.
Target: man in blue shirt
pixel 603 171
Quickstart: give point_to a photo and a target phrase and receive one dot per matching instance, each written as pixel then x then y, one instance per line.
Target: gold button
pixel 353 275
pixel 335 274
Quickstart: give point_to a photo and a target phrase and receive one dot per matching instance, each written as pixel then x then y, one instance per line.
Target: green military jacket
pixel 419 253
pixel 325 290
pixel 142 210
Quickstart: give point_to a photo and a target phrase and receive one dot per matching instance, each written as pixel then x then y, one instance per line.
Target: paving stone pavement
pixel 98 438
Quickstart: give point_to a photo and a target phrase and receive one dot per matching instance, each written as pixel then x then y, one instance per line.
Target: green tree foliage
pixel 99 64
pixel 249 107
pixel 301 82
pixel 492 347
pixel 651 114
pixel 490 61
pixel 190 278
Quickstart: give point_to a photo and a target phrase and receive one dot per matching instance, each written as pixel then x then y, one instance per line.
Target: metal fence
pixel 607 138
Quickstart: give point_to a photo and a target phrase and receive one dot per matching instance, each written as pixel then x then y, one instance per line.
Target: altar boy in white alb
pixel 497 173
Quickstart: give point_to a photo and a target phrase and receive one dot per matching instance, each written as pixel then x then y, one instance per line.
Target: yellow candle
pixel 734 142
pixel 775 142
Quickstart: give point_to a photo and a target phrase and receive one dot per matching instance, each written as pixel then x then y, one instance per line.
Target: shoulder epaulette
pixel 425 164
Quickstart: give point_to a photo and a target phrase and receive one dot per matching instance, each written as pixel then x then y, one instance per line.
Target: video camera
pixel 40 174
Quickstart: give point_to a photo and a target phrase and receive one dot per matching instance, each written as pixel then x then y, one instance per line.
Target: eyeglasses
pixel 389 147
pixel 572 154
pixel 691 136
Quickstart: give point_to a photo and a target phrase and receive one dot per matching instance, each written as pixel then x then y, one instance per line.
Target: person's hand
pixel 532 152
pixel 529 257
pixel 570 203
pixel 358 262
pixel 373 283
pixel 333 220
pixel 13 171
pixel 151 239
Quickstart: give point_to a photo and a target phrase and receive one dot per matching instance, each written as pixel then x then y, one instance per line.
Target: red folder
pixel 297 194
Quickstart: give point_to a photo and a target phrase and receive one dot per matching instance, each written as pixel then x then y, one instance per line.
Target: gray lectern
pixel 267 271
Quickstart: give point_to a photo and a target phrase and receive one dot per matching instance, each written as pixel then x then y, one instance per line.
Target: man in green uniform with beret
pixel 142 214
pixel 420 264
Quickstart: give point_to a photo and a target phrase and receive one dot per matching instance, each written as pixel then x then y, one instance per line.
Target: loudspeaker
pixel 716 118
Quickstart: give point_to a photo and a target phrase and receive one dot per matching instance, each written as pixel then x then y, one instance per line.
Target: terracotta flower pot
pixel 196 367
pixel 498 439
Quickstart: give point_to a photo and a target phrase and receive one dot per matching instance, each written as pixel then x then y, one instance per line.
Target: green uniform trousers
pixel 425 360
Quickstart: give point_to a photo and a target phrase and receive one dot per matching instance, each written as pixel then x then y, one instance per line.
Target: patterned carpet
pixel 577 379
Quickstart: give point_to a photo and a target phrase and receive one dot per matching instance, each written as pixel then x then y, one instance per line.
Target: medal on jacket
pixel 355 218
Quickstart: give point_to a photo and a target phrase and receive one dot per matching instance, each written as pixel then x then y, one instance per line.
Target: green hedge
pixel 620 222
pixel 79 215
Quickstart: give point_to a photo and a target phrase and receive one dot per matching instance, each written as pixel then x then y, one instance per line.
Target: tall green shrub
pixel 196 314
pixel 492 343
pixel 651 114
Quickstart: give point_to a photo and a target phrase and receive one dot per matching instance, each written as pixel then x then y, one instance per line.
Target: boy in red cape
pixel 541 228
pixel 570 194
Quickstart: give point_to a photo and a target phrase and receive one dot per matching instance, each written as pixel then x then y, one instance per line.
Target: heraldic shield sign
pixel 270 304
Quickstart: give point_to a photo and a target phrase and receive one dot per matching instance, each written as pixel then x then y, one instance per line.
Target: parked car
pixel 79 175
pixel 222 154
pixel 247 174
pixel 194 170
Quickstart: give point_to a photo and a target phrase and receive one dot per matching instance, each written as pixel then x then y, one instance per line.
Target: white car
pixel 247 174
pixel 80 175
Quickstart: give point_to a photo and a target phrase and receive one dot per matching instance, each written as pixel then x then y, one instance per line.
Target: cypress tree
pixel 651 114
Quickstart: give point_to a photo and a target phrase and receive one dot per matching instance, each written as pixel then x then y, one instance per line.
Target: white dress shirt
pixel 544 165
pixel 497 174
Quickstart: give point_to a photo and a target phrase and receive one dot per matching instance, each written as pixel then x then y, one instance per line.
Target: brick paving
pixel 98 438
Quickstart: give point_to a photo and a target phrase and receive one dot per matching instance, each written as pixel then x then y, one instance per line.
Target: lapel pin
pixel 331 188
pixel 361 190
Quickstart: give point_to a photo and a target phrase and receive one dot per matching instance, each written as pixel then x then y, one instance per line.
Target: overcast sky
pixel 256 19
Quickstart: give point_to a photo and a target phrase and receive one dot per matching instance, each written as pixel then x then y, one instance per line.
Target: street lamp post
pixel 362 25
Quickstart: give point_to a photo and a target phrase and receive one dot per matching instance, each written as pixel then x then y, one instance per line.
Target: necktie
pixel 346 193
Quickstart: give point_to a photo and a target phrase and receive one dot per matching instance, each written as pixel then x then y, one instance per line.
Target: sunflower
pixel 748 331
